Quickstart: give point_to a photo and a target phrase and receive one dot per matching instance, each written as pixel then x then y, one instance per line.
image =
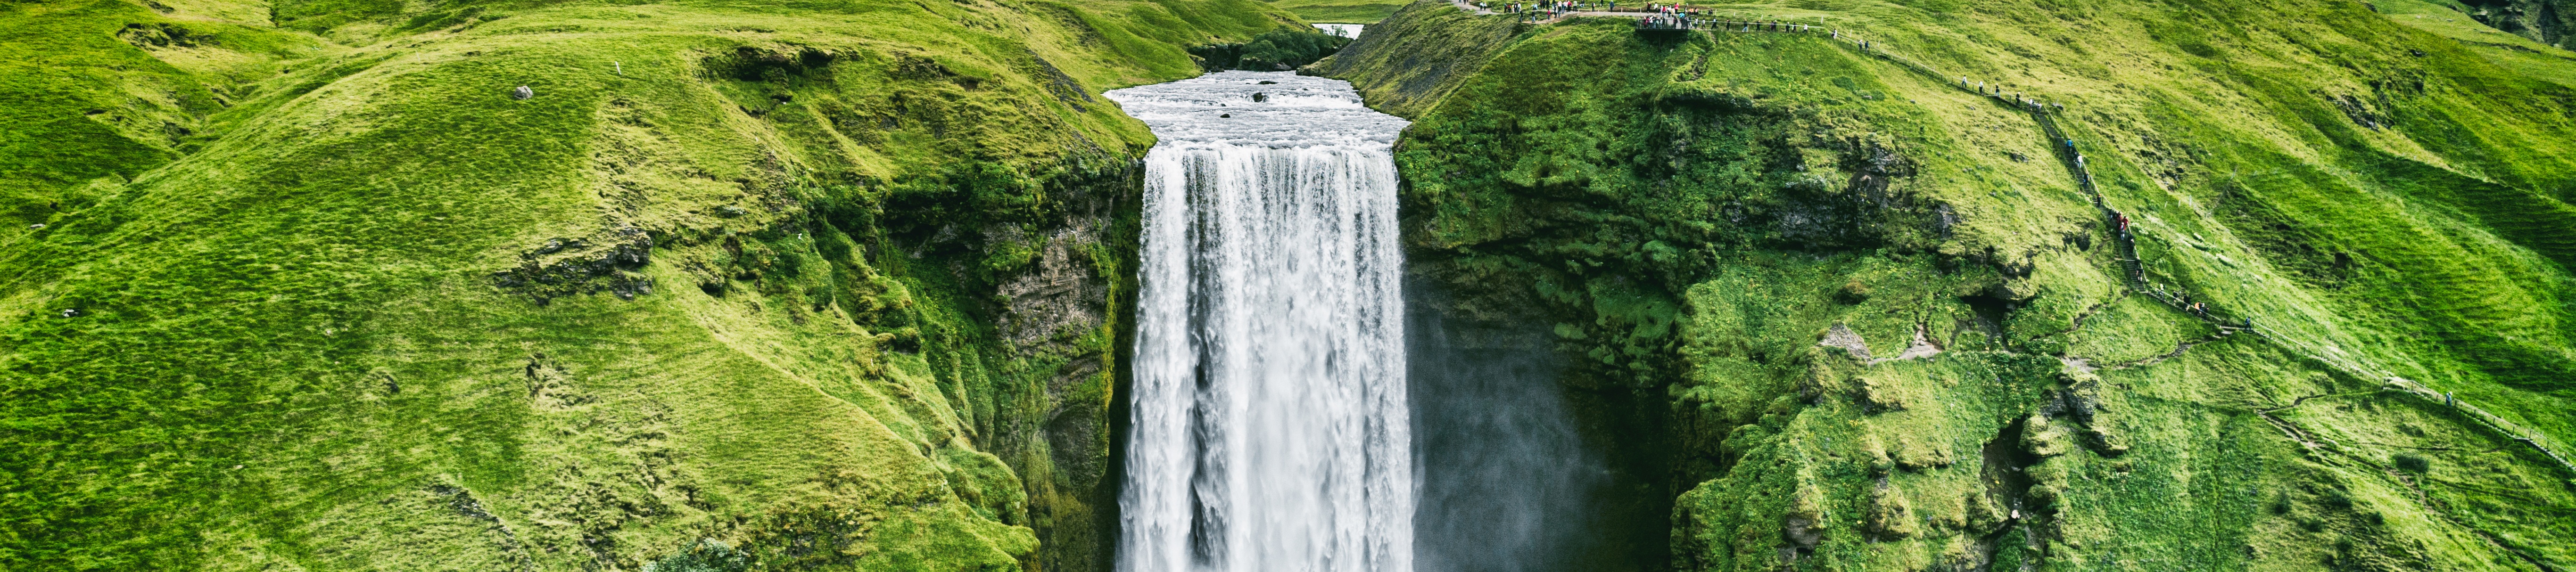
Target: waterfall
pixel 1270 429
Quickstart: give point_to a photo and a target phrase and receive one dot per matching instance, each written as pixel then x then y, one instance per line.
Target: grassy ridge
pixel 1714 217
pixel 341 301
pixel 1339 11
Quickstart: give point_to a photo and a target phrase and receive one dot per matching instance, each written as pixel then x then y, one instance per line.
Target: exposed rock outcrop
pixel 2544 21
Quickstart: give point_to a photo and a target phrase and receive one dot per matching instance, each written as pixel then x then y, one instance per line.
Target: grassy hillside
pixel 1340 11
pixel 788 285
pixel 1887 332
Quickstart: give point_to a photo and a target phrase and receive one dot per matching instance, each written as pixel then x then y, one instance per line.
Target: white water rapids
pixel 1270 429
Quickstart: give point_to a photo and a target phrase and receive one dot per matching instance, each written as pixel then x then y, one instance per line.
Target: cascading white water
pixel 1270 428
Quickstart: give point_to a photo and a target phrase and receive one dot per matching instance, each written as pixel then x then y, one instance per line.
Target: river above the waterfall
pixel 1264 109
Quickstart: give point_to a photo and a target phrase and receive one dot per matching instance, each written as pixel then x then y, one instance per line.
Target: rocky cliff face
pixel 1883 326
pixel 2544 21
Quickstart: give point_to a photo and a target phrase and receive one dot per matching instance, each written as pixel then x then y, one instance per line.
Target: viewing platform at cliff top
pixel 1649 17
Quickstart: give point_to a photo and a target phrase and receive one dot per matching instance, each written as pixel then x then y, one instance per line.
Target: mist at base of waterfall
pixel 1505 481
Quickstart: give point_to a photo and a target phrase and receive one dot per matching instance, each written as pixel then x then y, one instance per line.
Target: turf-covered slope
pixel 804 285
pixel 1340 11
pixel 1411 62
pixel 1887 331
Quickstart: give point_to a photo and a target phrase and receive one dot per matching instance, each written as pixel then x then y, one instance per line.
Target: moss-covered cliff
pixel 2545 21
pixel 313 285
pixel 1881 328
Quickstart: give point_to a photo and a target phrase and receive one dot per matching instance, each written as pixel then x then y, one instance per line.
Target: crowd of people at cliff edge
pixel 1661 16
pixel 1652 17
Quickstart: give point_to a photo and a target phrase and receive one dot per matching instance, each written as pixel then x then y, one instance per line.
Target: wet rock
pixel 1060 297
pixel 1803 530
pixel 1842 336
pixel 563 267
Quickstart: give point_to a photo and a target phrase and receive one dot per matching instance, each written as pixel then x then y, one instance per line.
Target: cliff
pixel 1883 323
pixel 332 285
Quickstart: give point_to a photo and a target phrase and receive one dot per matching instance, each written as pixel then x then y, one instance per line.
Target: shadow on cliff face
pixel 2544 21
pixel 1517 472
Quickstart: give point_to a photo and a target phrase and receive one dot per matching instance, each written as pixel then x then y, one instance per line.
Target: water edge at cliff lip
pixel 1270 428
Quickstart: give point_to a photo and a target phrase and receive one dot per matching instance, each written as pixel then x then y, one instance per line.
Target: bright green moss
pixel 1340 11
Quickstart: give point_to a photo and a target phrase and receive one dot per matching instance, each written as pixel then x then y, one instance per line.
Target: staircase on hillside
pixel 2124 245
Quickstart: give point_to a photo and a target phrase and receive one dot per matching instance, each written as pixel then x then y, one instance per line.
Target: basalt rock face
pixel 560 267
pixel 318 286
pixel 1067 313
pixel 1729 234
pixel 2545 21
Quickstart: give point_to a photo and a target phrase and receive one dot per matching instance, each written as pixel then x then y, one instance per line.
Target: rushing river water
pixel 1343 30
pixel 1271 429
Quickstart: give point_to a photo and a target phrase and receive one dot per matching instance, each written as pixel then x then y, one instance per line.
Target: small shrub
pixel 2337 500
pixel 2412 463
pixel 1852 292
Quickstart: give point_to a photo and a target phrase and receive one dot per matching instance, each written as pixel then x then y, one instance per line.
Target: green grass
pixel 1339 11
pixel 369 311
pixel 1439 48
pixel 2375 192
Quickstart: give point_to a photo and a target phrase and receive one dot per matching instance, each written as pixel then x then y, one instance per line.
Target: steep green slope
pixel 798 285
pixel 1340 11
pixel 1886 331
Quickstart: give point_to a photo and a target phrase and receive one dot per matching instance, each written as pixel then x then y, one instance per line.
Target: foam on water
pixel 1343 30
pixel 1270 429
